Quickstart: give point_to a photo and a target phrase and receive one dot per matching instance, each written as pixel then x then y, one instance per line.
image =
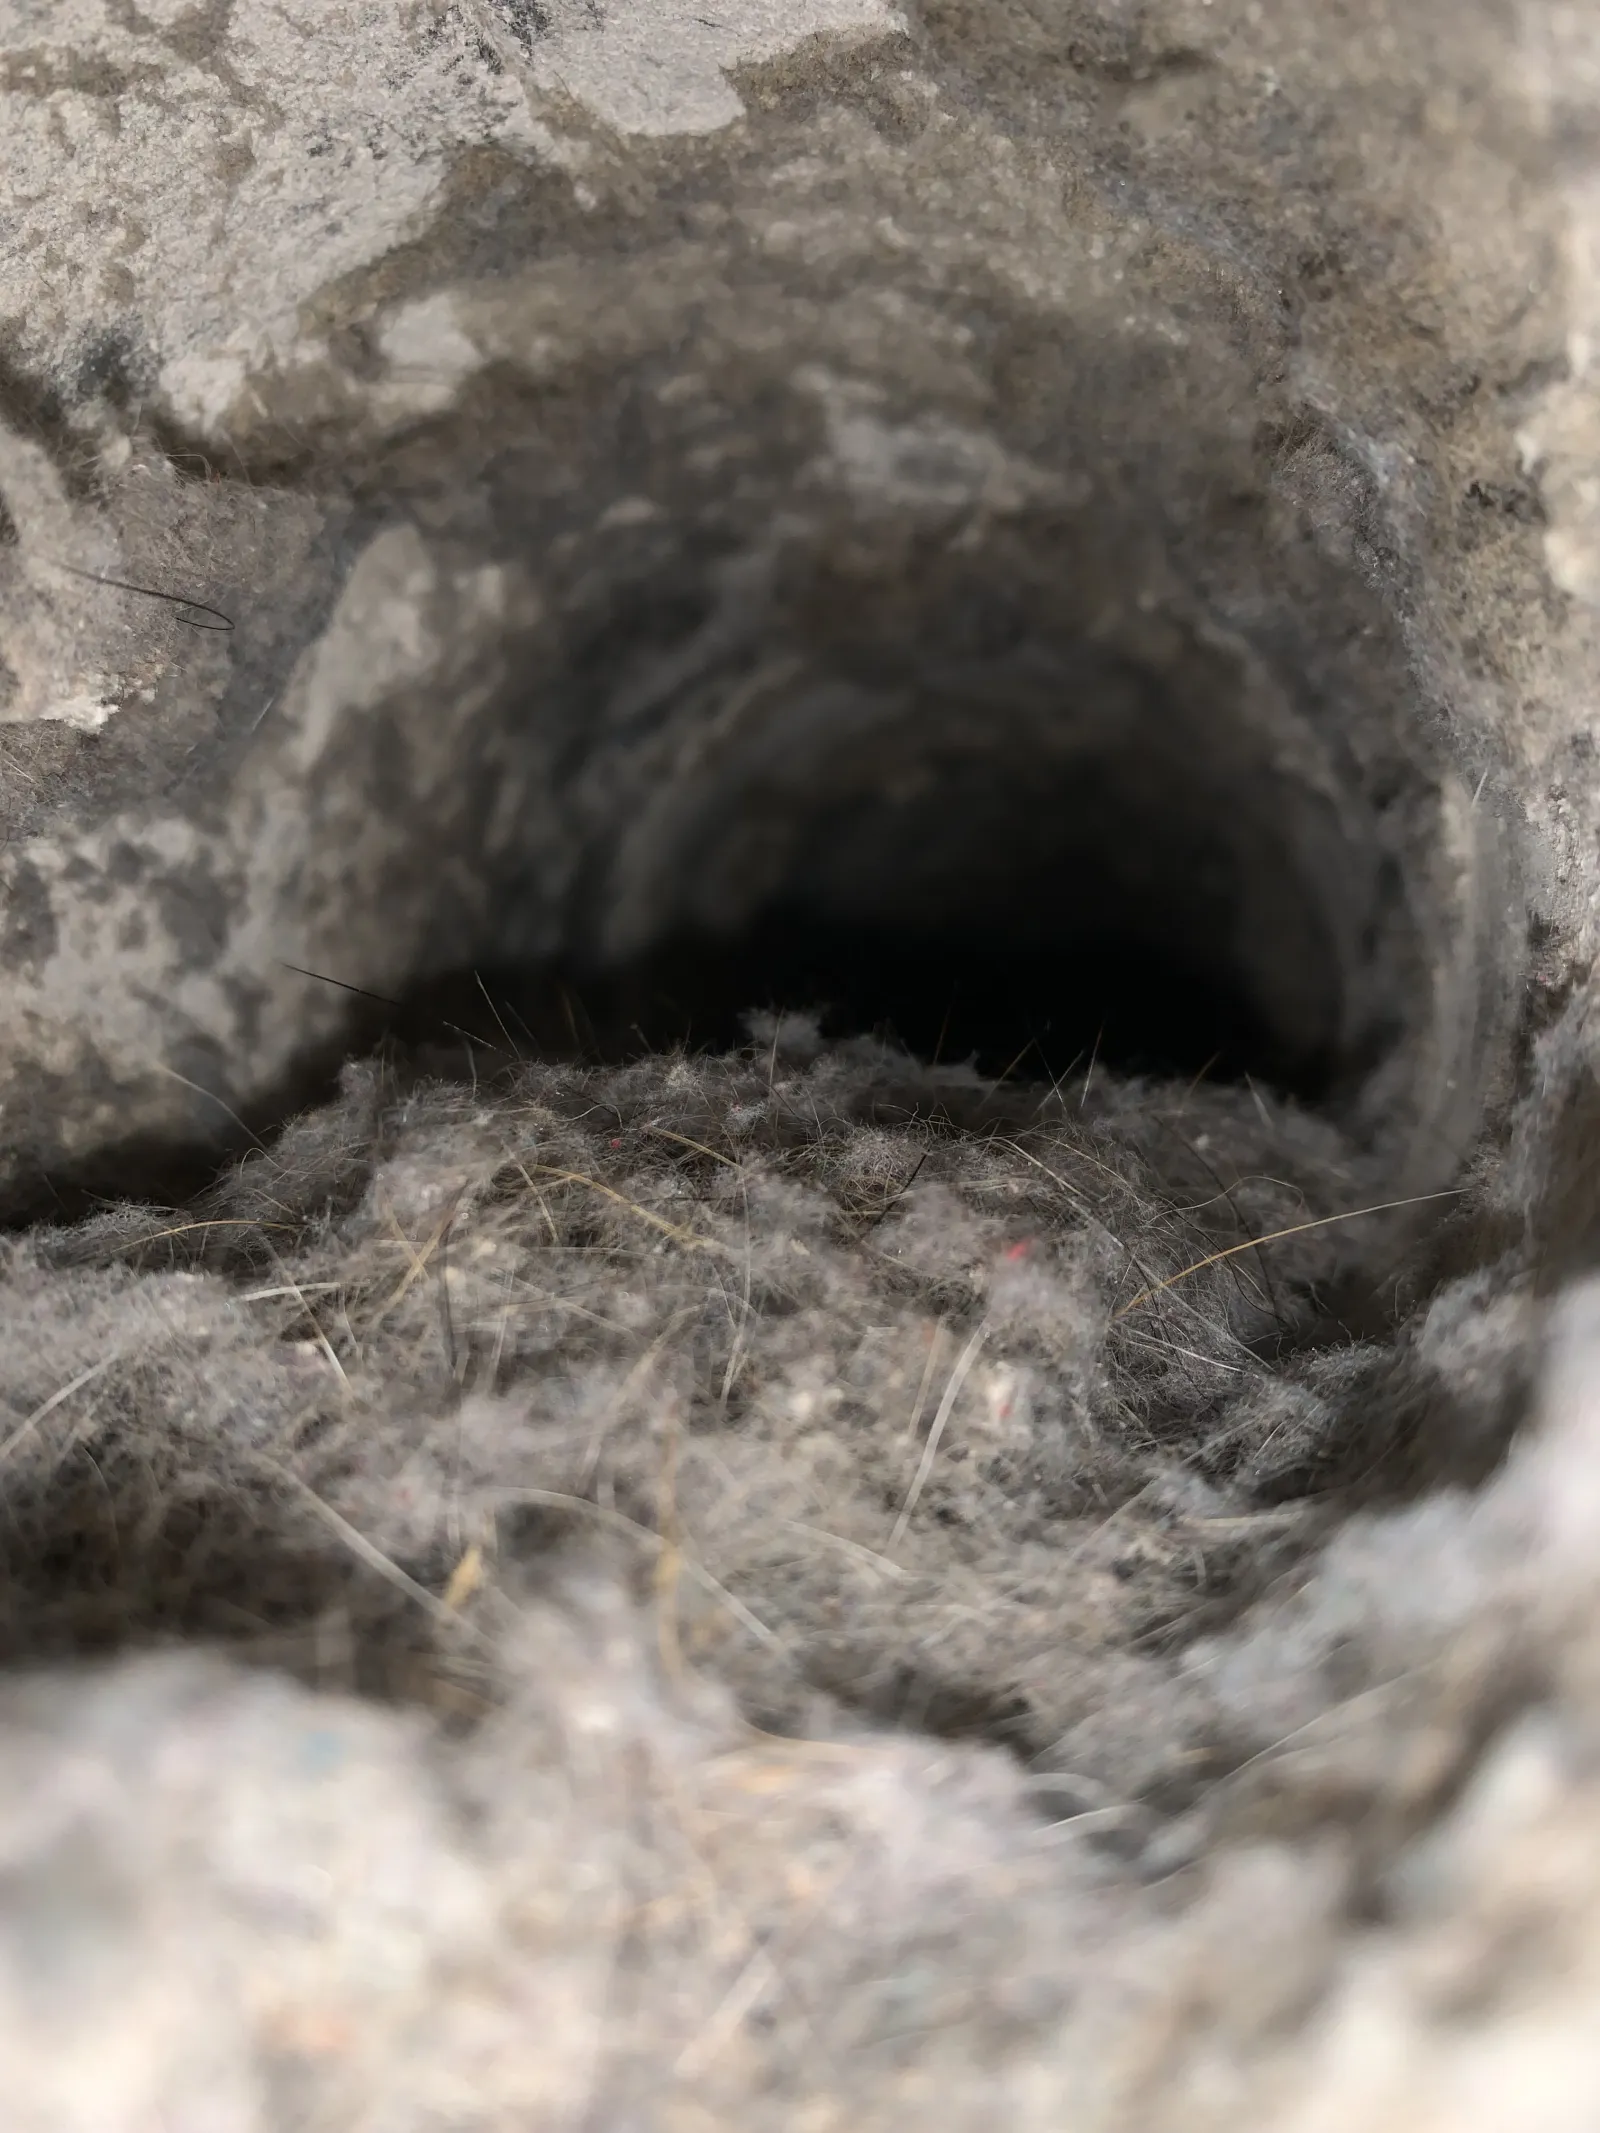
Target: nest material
pixel 904 1384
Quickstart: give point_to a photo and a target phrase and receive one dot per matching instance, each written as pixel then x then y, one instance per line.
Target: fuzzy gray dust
pixel 797 1319
pixel 924 1386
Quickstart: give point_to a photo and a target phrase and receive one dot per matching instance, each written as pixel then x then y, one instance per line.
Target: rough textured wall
pixel 788 1579
pixel 560 456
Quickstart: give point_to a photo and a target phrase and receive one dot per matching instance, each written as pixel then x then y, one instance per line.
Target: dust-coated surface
pixel 588 1540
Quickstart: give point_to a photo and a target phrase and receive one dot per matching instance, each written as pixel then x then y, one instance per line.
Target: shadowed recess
pixel 1029 863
